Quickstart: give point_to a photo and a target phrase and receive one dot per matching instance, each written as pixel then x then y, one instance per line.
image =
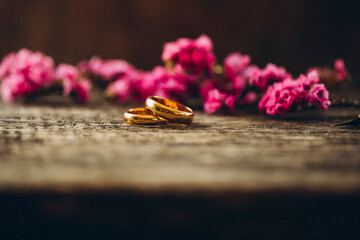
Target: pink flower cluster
pixel 214 100
pixel 289 94
pixel 187 63
pixel 25 72
pixel 108 70
pixel 340 70
pixel 73 82
pixel 137 85
pixel 190 72
pixel 126 83
pixel 194 56
pixel 241 83
pixel 333 76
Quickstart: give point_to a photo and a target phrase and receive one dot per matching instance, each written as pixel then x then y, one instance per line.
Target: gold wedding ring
pixel 172 111
pixel 143 116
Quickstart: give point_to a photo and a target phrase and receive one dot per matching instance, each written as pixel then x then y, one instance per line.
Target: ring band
pixel 170 110
pixel 143 116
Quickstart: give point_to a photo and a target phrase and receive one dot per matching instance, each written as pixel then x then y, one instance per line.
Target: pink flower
pixel 170 84
pixel 272 103
pixel 271 71
pixel 106 69
pixel 235 64
pixel 254 75
pixel 282 96
pixel 67 71
pixel 24 72
pixel 139 85
pixel 82 89
pixel 6 66
pixel 73 82
pixel 238 85
pixel 340 70
pixel 69 75
pixel 207 86
pixel 311 78
pixel 230 102
pixel 314 69
pixel 14 85
pixel 144 84
pixel 214 100
pixel 339 65
pixel 194 56
pixel 319 96
pixel 171 88
pixel 35 67
pixel 249 98
pixel 121 88
pixel 260 78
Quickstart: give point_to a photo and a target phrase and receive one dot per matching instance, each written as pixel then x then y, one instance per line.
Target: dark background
pixel 294 34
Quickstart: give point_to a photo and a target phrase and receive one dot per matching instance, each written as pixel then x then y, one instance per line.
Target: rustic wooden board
pixel 72 149
pixel 81 172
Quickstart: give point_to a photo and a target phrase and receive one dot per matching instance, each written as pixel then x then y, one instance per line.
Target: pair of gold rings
pixel 159 111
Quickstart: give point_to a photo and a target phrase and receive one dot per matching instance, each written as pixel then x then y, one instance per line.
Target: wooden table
pixel 223 177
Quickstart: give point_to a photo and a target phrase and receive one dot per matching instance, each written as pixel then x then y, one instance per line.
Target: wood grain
pixel 74 149
pixel 80 172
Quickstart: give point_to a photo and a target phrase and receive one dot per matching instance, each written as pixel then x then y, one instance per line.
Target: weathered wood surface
pixel 81 172
pixel 91 149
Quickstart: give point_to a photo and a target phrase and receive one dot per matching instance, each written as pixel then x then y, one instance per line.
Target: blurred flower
pixel 73 82
pixel 143 84
pixel 119 89
pixel 139 85
pixel 7 65
pixel 24 72
pixel 332 76
pixel 319 96
pixel 311 78
pixel 106 69
pixel 340 70
pixel 214 100
pixel 35 67
pixel 281 97
pixel 194 56
pixel 170 84
pixel 14 85
pixel 270 72
pixel 82 90
pixel 188 73
pixel 284 96
pixel 235 64
pixel 254 75
pixel 68 74
pixel 249 98
pixel 238 85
